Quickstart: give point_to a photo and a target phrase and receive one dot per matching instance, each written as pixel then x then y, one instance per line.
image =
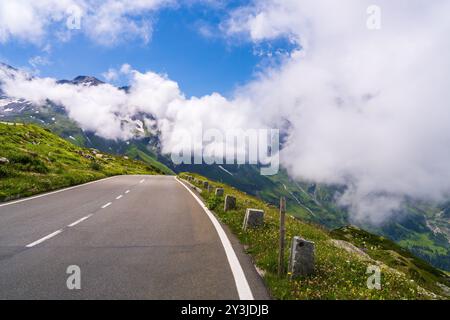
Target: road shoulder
pixel 254 279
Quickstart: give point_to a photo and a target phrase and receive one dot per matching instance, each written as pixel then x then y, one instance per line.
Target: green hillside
pixel 341 260
pixel 56 120
pixel 393 255
pixel 34 160
pixel 139 152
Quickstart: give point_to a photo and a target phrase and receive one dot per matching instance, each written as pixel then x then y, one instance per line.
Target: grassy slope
pixel 60 124
pixel 339 273
pixel 393 255
pixel 136 153
pixel 40 161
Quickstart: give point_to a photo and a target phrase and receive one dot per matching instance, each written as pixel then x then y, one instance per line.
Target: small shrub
pixel 30 163
pixel 213 202
pixel 4 172
pixel 39 167
pixel 96 166
pixel 21 159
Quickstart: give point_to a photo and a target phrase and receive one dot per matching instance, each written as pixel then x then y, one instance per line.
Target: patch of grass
pixel 96 166
pixel 28 162
pixel 40 161
pixel 214 202
pixel 4 172
pixel 137 154
pixel 339 274
pixel 394 256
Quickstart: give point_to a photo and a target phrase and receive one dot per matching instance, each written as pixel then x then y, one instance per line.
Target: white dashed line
pixel 79 221
pixel 119 197
pixel 51 235
pixel 106 205
pixel 142 181
pixel 128 191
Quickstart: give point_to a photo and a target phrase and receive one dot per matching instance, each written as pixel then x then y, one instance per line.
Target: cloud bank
pixel 366 108
pixel 108 111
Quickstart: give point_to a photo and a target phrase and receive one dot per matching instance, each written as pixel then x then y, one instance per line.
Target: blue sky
pixel 200 64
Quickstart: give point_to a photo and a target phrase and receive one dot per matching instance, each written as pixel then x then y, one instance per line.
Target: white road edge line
pixel 242 286
pixel 79 221
pixel 106 205
pixel 119 197
pixel 54 192
pixel 51 235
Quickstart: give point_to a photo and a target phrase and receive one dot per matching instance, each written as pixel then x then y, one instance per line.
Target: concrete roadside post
pixel 230 203
pixel 254 218
pixel 302 258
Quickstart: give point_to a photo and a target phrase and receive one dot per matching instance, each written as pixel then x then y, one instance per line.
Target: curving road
pixel 132 237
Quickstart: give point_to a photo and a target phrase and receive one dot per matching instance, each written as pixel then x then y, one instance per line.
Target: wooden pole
pixel 282 236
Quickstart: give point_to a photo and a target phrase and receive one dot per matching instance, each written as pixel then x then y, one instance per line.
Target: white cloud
pixel 105 22
pixel 38 61
pixel 207 30
pixel 29 20
pixel 125 69
pixel 104 108
pixel 110 21
pixel 111 75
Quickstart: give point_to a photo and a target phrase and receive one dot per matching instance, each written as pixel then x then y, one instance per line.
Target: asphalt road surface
pixel 127 237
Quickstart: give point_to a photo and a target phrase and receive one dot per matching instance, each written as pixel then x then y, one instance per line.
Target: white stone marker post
pixel 253 218
pixel 302 257
pixel 230 203
pixel 219 192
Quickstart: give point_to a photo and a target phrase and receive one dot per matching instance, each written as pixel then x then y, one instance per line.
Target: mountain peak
pixel 7 66
pixel 87 80
pixel 83 80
